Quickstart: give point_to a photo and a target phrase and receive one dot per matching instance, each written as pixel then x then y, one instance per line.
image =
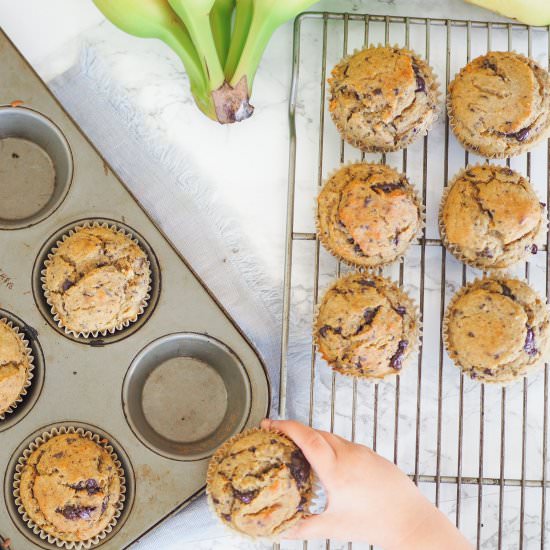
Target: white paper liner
pixel 30 368
pixel 398 258
pixel 480 377
pixel 455 250
pixel 414 339
pixel 222 451
pixel 431 79
pixel 57 319
pixel 40 440
pixel 518 149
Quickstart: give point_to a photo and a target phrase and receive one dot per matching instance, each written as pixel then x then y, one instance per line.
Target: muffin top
pixel 14 366
pixel 366 326
pixel 259 483
pixel 70 487
pixel 382 98
pixel 499 104
pixel 367 214
pixel 496 329
pixel 97 280
pixel 491 217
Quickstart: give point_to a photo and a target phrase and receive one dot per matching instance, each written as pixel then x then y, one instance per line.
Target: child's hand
pixel 369 498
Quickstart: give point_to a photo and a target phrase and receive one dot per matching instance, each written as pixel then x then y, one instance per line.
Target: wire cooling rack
pixel 478 451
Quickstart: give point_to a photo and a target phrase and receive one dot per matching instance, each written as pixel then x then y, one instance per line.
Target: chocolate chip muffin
pixel 497 329
pixel 491 217
pixel 259 483
pixel 368 214
pixel 15 364
pixel 366 326
pixel 499 104
pixel 70 487
pixel 97 280
pixel 382 98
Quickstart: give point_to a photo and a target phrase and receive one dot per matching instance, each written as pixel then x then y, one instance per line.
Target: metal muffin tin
pixel 165 391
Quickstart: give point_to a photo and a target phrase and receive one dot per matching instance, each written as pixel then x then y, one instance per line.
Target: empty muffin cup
pixel 36 167
pixel 185 394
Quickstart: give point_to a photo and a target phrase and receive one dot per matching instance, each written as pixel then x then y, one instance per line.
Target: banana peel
pixel 530 12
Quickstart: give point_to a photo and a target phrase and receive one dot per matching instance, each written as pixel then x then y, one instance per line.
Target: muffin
pixel 382 98
pixel 368 214
pixel 497 329
pixel 15 367
pixel 259 483
pixel 491 218
pixel 70 488
pixel 96 280
pixel 499 104
pixel 366 326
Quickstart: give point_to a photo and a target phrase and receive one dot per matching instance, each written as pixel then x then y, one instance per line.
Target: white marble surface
pixel 244 169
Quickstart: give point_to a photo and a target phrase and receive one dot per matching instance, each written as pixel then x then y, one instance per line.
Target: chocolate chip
pixel 534 249
pixel 400 310
pixel 273 441
pixel 520 135
pixel 488 372
pixel 506 291
pixel 59 454
pixel 420 82
pixel 367 201
pixel 66 285
pixel 300 507
pixel 530 345
pixel 366 282
pixel 488 65
pixel 325 328
pixel 90 485
pixel 387 187
pixel 396 362
pixel 368 317
pixel 104 504
pixel 14 156
pixel 73 513
pixel 299 467
pixel 471 334
pixel 542 204
pixel 350 240
pixel 245 496
pixel 252 449
pixel 341 224
pixel 377 91
pixel 357 249
pixel 226 517
pixel 485 253
pixel 473 375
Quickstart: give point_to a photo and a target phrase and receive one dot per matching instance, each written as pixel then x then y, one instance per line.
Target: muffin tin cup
pixel 397 259
pixel 315 490
pixel 30 369
pixel 415 338
pixel 43 535
pixel 455 250
pixel 435 88
pixel 524 147
pixel 454 356
pixel 56 318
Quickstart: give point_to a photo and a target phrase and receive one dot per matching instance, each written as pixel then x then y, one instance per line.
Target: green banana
pixel 241 26
pixel 220 21
pixel 531 12
pixel 156 19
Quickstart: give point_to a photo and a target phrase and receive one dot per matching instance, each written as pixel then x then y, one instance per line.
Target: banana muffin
pixel 491 218
pixel 382 98
pixel 14 367
pixel 259 483
pixel 499 104
pixel 97 280
pixel 367 214
pixel 366 326
pixel 70 487
pixel 497 329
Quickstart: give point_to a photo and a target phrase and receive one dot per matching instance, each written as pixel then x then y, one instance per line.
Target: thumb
pixel 317 450
pixel 312 527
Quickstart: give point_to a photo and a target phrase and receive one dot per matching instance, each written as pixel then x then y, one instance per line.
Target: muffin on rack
pixel 366 326
pixel 368 214
pixel 499 104
pixel 96 280
pixel 497 329
pixel 259 483
pixel 382 98
pixel 490 217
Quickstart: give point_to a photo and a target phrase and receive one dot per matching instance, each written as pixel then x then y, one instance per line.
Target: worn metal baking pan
pixel 165 391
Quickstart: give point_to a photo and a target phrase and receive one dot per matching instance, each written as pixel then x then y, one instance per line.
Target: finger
pixel 315 447
pixel 312 527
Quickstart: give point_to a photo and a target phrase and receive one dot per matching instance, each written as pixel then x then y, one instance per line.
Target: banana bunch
pixel 220 42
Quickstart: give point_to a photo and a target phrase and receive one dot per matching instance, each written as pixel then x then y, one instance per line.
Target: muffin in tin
pixel 368 214
pixel 382 98
pixel 259 483
pixel 96 280
pixel 70 488
pixel 497 329
pixel 366 326
pixel 499 104
pixel 491 218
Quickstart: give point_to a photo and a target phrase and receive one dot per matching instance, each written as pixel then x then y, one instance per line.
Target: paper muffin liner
pixel 414 339
pixel 88 225
pixel 517 150
pixel 37 530
pixel 399 258
pixel 494 381
pixel 30 367
pixel 223 450
pixel 455 249
pixel 435 88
